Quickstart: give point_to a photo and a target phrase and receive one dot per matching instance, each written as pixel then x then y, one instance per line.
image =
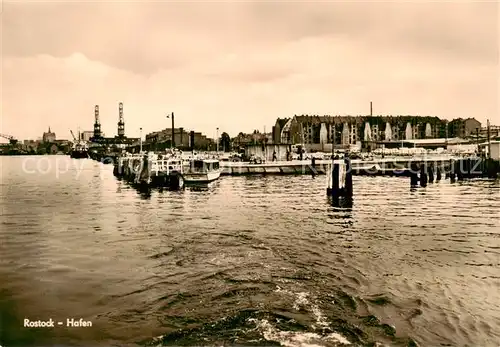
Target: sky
pixel 239 65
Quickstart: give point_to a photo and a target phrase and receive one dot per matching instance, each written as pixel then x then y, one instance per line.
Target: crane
pixel 71 131
pixel 11 138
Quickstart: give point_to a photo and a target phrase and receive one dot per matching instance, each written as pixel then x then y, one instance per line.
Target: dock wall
pixel 390 167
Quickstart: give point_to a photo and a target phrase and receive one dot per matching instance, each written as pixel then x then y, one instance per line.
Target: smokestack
pixel 371 109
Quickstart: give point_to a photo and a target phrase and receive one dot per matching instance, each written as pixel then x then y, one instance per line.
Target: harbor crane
pixel 11 138
pixel 74 137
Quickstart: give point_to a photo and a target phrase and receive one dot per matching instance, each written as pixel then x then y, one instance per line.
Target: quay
pixel 129 164
pixel 375 167
pixel 168 169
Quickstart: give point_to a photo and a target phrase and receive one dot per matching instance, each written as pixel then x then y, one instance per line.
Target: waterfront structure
pixel 49 136
pixel 320 132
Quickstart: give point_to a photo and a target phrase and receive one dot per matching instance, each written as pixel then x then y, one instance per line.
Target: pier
pixel 167 170
pixel 376 167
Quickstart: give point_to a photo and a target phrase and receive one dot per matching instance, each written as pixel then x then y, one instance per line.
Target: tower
pixel 121 122
pixel 97 123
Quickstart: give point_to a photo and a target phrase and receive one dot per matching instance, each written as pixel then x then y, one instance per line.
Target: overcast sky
pixel 240 65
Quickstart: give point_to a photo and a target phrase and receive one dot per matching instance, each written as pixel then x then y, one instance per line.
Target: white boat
pixel 201 171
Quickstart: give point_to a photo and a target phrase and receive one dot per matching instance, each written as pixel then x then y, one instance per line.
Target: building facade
pixel 86 135
pixel 464 127
pixel 181 138
pixel 320 132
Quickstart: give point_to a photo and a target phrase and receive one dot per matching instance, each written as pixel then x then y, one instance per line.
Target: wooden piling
pixel 348 178
pixel 430 173
pixel 340 179
pixel 413 174
pixel 459 169
pixel 453 174
pixel 438 174
pixel 423 176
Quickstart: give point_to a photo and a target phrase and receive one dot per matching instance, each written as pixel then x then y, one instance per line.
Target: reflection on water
pixel 341 202
pixel 246 260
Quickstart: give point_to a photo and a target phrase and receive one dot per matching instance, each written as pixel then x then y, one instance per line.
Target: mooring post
pixel 438 174
pixel 453 175
pixel 340 179
pixel 459 169
pixel 413 174
pixel 348 178
pixel 430 173
pixel 423 175
pixel 335 179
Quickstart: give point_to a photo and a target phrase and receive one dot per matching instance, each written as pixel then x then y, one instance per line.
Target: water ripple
pixel 249 261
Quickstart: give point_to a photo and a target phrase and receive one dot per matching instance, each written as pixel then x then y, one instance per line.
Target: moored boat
pixel 80 150
pixel 201 171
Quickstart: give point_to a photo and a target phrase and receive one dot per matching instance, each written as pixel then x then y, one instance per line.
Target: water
pixel 247 261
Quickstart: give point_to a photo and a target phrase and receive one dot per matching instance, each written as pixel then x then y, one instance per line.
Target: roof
pixel 282 121
pixel 437 141
pixel 207 160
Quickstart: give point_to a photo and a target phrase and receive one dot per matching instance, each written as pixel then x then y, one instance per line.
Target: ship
pixel 80 149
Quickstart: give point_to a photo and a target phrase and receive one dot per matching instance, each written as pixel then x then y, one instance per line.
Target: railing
pixel 166 166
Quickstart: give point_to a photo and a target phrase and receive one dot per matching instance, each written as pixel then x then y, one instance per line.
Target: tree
pixel 225 142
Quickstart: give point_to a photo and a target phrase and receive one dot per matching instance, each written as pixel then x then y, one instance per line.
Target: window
pixel 197 166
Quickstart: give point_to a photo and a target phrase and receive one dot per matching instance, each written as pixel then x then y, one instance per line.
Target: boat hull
pixel 204 177
pixel 79 154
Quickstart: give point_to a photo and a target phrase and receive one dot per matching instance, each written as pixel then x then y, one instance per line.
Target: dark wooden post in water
pixel 438 173
pixel 423 175
pixel 413 174
pixel 340 179
pixel 144 175
pixel 348 178
pixel 459 169
pixel 430 173
pixel 452 171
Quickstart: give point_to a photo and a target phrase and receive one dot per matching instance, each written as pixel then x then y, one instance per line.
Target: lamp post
pixel 140 140
pixel 477 140
pixel 172 141
pixel 489 138
pixel 333 140
pixel 217 139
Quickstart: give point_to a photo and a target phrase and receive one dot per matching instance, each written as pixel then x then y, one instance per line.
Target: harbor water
pixel 245 261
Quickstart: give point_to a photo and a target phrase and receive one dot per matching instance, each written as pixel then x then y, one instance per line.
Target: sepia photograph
pixel 249 173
